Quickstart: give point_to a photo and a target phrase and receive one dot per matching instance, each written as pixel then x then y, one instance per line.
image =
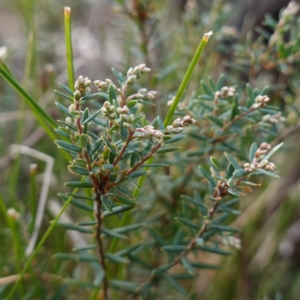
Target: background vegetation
pixel 164 35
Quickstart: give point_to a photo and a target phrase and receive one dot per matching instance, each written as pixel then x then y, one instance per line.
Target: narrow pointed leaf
pixel 91 117
pixel 213 250
pixel 208 176
pixel 79 184
pixel 272 151
pixel 138 173
pixel 176 285
pixel 79 170
pixel 68 146
pixel 69 91
pixel 175 139
pixel 187 223
pixel 232 160
pixel 63 109
pixel 223 228
pixel 117 210
pixel 83 248
pixel 252 151
pixel 71 226
pixel 161 269
pixel 167 150
pixel 188 266
pixel 65 96
pixel 116 258
pixel 97 144
pixel 174 248
pixel 113 234
pixel 75 257
pixel 99 278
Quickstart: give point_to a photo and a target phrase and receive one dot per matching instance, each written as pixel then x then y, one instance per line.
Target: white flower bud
pixel 130 118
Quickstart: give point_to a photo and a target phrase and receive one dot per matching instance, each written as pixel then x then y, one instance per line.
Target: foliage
pixel 150 238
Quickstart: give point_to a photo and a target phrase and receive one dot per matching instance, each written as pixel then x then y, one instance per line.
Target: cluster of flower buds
pixel 273 118
pixel 232 241
pixel 260 101
pixel 137 72
pixel 257 163
pixel 108 110
pixel 127 119
pixel 178 124
pixel 142 94
pixel 150 133
pixel 82 87
pixel 225 92
pixel 103 86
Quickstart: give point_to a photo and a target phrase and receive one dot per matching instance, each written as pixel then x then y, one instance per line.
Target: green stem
pixel 38 247
pixel 69 49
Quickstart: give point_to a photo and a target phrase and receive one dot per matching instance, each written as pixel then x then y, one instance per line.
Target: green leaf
pixel 264 172
pixel 240 173
pixel 80 196
pixel 91 117
pixel 109 167
pixel 97 144
pixel 62 94
pixel 272 151
pixel 119 76
pixel 91 96
pixel 113 234
pixel 215 163
pixel 99 278
pixel 229 170
pixel 205 266
pixel 79 170
pixel 66 89
pixel 77 203
pixel 154 165
pixel 111 94
pixel 75 257
pixel 187 223
pixel 128 228
pixel 175 139
pixel 83 248
pixel 220 82
pixel 207 176
pixel 232 160
pixel 62 132
pixel 100 122
pixel 216 121
pixel 68 146
pixel 252 151
pixel 166 150
pixel 110 146
pixel 158 238
pixel 213 250
pixel 128 250
pixel 116 258
pixel 175 284
pixel 206 88
pixel 223 228
pixel 107 203
pixel 161 269
pixel 174 248
pixel 79 184
pixel 188 266
pixel 85 115
pixel 117 210
pixel 122 199
pixel 87 223
pixel 121 285
pixel 138 173
pixel 71 226
pixel 64 109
